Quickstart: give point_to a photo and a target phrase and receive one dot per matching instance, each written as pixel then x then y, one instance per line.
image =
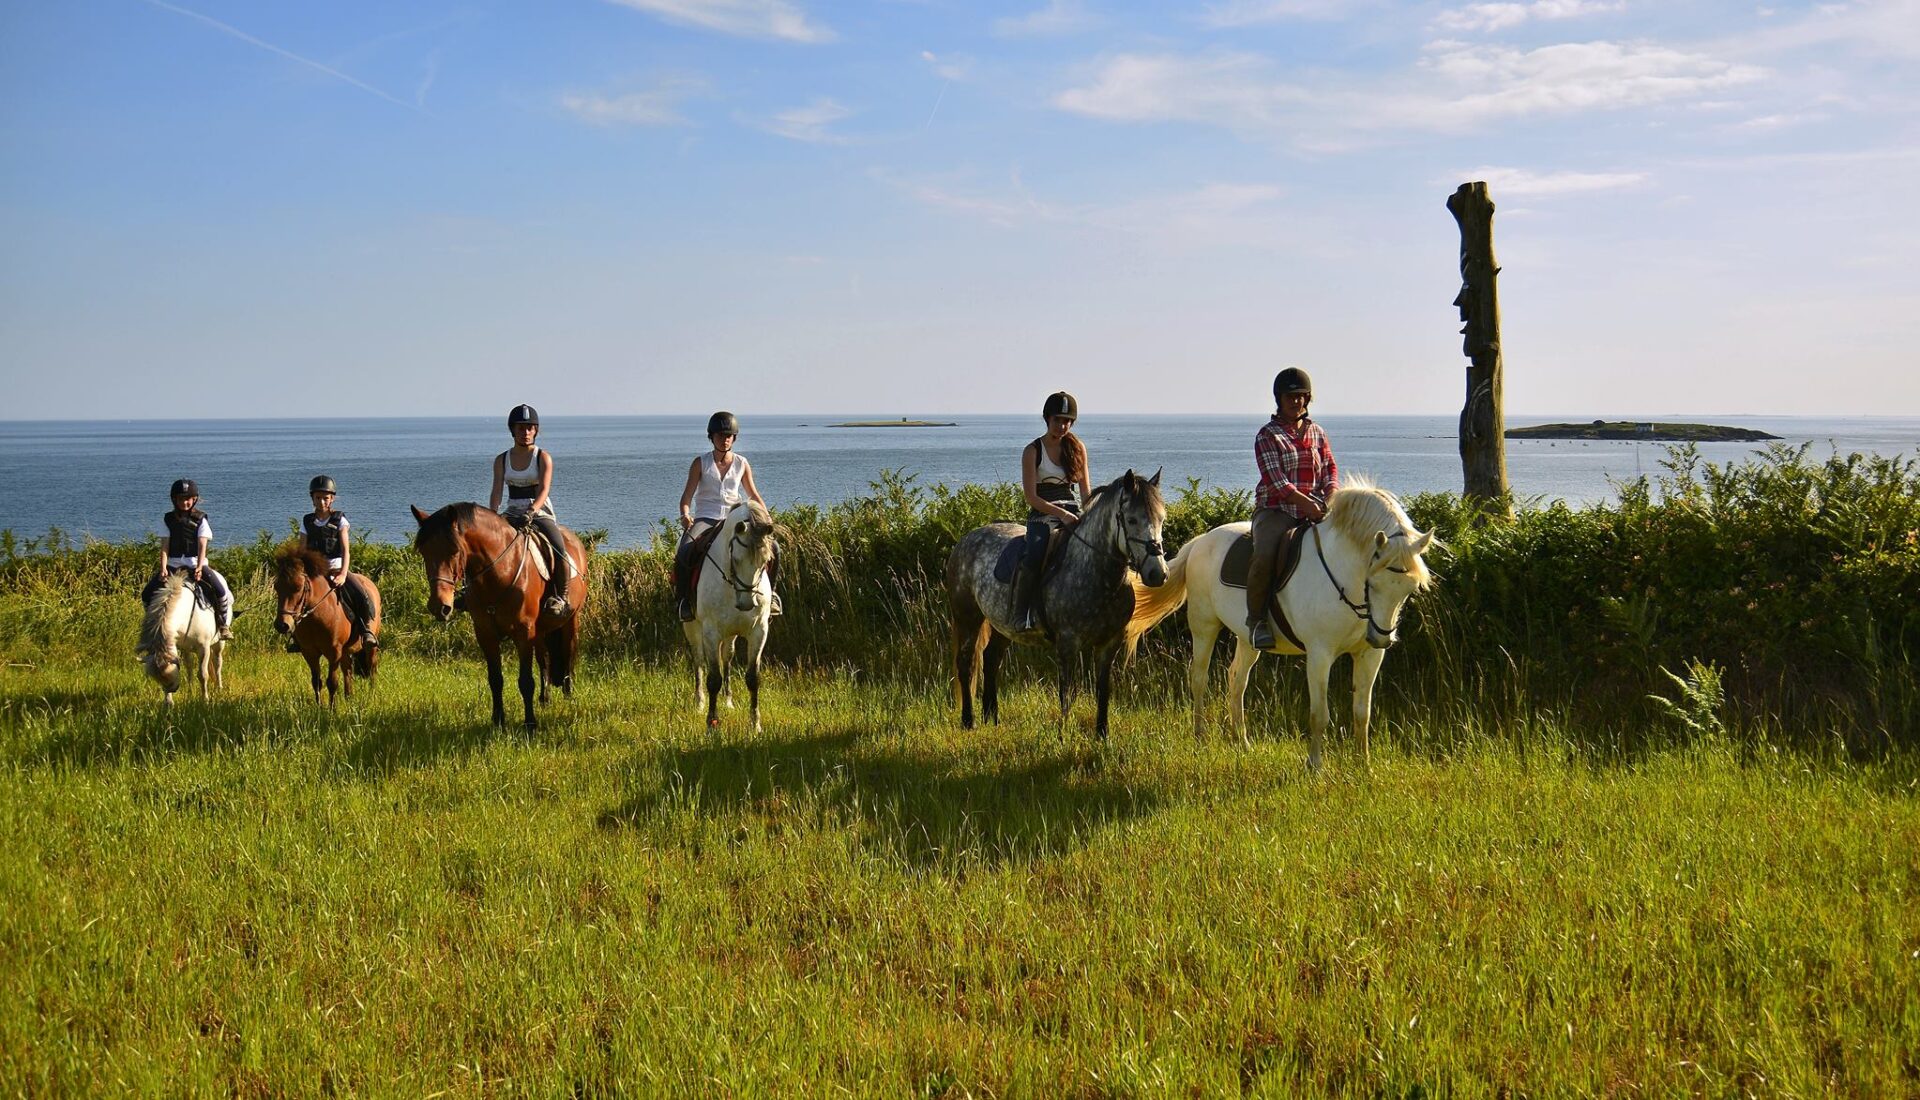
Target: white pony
pixel 733 599
pixel 1356 570
pixel 177 624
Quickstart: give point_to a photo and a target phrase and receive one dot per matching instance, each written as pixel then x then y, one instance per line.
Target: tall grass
pixel 1793 585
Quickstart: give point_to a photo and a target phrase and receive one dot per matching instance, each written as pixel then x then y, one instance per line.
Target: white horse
pixel 1356 570
pixel 734 599
pixel 176 624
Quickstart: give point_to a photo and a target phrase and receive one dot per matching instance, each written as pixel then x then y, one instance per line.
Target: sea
pixel 107 479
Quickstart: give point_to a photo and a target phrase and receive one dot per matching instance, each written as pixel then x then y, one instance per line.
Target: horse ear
pixel 1155 479
pixel 419 517
pixel 1379 540
pixel 1421 544
pixel 1133 481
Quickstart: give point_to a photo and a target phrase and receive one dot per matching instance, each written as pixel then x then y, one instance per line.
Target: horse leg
pixel 716 676
pixel 990 686
pixel 1238 673
pixel 313 673
pixel 1102 688
pixel 525 646
pixel 1206 632
pixel 756 642
pixel 333 678
pixel 496 679
pixel 970 628
pixel 1067 657
pixel 1319 665
pixel 1366 667
pixel 540 662
pixel 206 660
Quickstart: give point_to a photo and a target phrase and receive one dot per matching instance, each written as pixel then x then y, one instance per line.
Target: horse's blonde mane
pixel 154 637
pixel 1359 508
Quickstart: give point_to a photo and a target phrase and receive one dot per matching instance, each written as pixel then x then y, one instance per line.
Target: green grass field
pixel 258 898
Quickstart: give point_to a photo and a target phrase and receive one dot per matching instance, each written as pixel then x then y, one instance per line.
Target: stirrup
pixel 292 646
pixel 685 610
pixel 556 606
pixel 778 608
pixel 1260 635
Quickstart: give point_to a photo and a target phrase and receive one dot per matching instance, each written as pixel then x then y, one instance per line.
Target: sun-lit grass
pixel 258 897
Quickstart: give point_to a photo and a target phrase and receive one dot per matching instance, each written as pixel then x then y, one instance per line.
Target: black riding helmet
pixel 523 414
pixel 1060 404
pixel 184 488
pixel 723 423
pixel 1291 380
pixel 321 484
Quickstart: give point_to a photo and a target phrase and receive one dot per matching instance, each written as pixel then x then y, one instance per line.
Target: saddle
pixel 1234 568
pixel 692 558
pixel 543 552
pixel 1008 563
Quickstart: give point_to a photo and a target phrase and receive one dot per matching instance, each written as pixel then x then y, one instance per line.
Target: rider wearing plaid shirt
pixel 1297 479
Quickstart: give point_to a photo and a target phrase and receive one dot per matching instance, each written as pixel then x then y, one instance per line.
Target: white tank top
pixel 523 485
pixel 1046 470
pixel 717 493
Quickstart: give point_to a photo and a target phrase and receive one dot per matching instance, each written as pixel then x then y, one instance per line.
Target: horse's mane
pixel 153 628
pixel 445 520
pixel 1155 503
pixel 1359 508
pixel 314 562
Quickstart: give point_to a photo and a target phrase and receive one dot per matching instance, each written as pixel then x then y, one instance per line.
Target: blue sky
pixel 667 206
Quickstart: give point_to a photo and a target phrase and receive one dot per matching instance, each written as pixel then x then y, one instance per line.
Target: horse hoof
pixel 713 723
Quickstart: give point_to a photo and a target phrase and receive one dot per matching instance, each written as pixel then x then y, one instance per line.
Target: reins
pixel 519 538
pixel 726 571
pixel 1364 609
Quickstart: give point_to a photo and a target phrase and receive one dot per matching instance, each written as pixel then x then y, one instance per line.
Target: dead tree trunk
pixel 1483 444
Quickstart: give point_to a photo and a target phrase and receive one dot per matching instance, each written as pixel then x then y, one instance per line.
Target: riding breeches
pixel 358 602
pixel 1270 529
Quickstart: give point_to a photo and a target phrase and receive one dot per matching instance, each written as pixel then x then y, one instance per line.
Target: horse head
pixel 444 553
pixel 1373 521
pixel 294 568
pixel 1141 516
pixel 750 548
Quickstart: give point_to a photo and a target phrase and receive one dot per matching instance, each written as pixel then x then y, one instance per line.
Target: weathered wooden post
pixel 1483 444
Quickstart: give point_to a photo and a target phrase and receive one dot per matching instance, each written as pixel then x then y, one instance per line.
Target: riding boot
pixel 1026 589
pixel 682 586
pixel 556 602
pixel 1269 529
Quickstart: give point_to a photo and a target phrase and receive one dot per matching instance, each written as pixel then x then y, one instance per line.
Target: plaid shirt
pixel 1303 460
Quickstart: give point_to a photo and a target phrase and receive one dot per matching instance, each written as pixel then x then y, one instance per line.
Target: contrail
pixel 289 55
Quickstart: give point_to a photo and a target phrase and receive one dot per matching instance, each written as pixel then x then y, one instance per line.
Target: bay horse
pixel 733 599
pixel 1369 550
pixel 310 610
pixel 470 543
pixel 178 625
pixel 1086 600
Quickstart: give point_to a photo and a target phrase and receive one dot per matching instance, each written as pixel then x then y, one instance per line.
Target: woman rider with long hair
pixel 1053 478
pixel 525 473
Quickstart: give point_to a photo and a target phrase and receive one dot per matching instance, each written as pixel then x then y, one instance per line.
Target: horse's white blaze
pixel 718 617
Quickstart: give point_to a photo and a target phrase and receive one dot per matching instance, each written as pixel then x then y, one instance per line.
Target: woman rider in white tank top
pixel 1054 480
pixel 525 473
pixel 716 482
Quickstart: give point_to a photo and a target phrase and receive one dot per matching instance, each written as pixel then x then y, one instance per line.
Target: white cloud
pixel 949 67
pixel 1511 182
pixel 1455 87
pixel 1214 215
pixel 810 123
pixel 1874 28
pixel 656 106
pixel 1500 16
pixel 1765 124
pixel 1058 17
pixel 748 18
pixel 1247 13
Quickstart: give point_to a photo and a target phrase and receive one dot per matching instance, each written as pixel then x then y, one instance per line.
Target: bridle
pixel 1150 547
pixel 750 588
pixel 307 606
pixel 519 539
pixel 1364 609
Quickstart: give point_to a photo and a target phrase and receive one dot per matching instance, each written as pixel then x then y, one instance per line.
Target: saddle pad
pixel 1233 568
pixel 543 555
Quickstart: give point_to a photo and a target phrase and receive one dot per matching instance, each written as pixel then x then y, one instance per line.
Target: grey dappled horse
pixel 1085 601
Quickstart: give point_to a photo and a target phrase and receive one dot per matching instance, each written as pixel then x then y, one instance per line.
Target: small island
pixel 903 422
pixel 1642 430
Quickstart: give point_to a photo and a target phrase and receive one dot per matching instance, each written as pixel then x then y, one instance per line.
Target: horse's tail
pixel 1150 605
pixel 363 661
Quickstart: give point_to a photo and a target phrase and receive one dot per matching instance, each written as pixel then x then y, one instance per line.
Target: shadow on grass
pixel 923 809
pixel 107 728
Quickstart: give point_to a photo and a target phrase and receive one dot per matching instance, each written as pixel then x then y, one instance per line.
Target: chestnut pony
pixel 472 544
pixel 310 610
